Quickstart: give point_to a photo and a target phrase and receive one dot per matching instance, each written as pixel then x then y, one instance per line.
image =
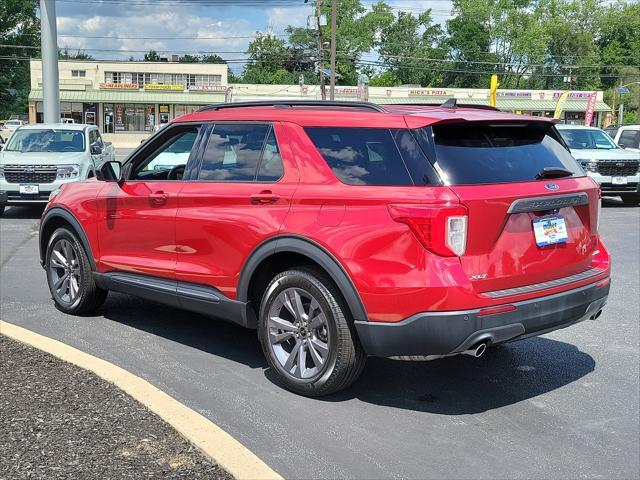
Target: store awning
pixel 134 96
pixel 510 104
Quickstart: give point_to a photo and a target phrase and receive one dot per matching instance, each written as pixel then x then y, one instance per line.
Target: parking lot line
pixel 214 442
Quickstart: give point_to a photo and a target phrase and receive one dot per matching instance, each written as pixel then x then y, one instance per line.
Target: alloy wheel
pixel 64 270
pixel 298 333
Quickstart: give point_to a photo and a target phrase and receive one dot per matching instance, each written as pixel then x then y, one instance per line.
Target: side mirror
pixel 622 145
pixel 95 149
pixel 109 172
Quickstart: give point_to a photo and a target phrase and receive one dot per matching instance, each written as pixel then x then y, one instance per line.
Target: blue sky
pixel 226 29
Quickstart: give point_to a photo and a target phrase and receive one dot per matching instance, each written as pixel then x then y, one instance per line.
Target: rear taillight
pixel 440 229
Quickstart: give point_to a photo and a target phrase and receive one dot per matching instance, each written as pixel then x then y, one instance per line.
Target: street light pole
pixel 49 48
pixel 334 14
pixel 323 90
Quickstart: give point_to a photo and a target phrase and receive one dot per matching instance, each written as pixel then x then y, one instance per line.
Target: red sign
pixel 591 105
pixel 119 86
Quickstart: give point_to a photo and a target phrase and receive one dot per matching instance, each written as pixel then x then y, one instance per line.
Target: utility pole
pixel 334 14
pixel 49 48
pixel 323 90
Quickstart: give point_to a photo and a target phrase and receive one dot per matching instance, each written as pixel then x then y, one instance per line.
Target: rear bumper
pixel 442 333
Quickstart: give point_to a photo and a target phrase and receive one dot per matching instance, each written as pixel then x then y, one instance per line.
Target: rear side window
pixel 361 156
pixel 630 138
pixel 473 153
pixel 233 153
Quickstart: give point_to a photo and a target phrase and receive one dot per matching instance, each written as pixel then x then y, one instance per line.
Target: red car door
pixel 137 228
pixel 238 197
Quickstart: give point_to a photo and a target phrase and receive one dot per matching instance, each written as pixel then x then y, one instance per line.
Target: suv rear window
pixel 474 153
pixel 373 156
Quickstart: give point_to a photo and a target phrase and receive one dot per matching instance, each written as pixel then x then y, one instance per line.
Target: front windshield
pixel 48 140
pixel 581 139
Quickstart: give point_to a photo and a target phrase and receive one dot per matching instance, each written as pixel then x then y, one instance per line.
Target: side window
pixel 99 138
pixel 630 138
pixel 168 161
pixel 361 156
pixel 92 136
pixel 233 153
pixel 271 169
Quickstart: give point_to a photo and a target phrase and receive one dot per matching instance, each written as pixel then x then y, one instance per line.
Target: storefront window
pixel 181 110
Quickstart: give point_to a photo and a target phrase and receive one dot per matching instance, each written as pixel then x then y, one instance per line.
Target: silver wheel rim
pixel 298 333
pixel 64 269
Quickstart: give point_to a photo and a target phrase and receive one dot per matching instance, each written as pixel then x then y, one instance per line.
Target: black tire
pixel 345 359
pixel 89 297
pixel 631 199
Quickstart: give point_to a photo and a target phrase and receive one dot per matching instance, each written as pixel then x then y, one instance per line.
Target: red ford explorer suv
pixel 341 230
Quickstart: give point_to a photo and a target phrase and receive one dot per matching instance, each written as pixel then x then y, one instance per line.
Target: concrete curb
pixel 214 442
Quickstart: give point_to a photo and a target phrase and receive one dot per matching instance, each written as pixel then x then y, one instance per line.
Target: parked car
pixel 38 159
pixel 627 137
pixel 11 126
pixel 341 230
pixel 616 170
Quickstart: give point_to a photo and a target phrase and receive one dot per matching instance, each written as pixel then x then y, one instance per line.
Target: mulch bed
pixel 60 421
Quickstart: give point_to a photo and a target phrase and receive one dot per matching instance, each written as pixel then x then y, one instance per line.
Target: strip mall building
pixel 128 99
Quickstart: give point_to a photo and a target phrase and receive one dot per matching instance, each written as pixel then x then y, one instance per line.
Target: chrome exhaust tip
pixel 476 351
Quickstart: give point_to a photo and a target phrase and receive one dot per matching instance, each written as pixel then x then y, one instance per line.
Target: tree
pixel 266 63
pixel 79 55
pixel 19 26
pixel 152 56
pixel 404 46
pixel 189 59
pixel 212 58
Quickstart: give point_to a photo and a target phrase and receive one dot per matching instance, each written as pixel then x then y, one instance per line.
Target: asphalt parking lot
pixel 564 405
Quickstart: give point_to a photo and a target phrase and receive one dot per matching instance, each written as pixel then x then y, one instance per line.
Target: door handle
pixel 157 199
pixel 265 197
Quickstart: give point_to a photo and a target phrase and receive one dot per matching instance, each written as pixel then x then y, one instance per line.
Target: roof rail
pixel 450 103
pixel 327 104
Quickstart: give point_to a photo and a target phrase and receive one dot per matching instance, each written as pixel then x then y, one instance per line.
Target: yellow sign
pixel 157 86
pixel 493 90
pixel 560 104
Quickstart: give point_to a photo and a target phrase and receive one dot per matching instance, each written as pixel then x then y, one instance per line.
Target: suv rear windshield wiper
pixel 553 172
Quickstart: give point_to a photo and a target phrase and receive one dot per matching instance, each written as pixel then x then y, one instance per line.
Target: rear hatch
pixel 516 178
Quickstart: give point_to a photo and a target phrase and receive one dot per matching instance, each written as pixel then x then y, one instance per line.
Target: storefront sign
pixel 119 123
pixel 509 94
pixel 427 92
pixel 163 108
pixel 574 95
pixel 207 88
pixel 347 91
pixel 119 86
pixel 157 86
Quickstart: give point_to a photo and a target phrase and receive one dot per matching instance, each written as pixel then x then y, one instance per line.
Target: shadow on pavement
pixel 615 202
pixel 209 335
pixel 451 386
pixel 463 385
pixel 30 212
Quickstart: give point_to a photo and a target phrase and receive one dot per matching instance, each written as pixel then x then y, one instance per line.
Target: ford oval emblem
pixel 551 186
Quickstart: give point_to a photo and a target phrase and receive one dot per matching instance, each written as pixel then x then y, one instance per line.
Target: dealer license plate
pixel 29 190
pixel 550 230
pixel 619 180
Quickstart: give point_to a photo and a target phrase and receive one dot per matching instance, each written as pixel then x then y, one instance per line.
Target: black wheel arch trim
pixel 313 251
pixel 61 212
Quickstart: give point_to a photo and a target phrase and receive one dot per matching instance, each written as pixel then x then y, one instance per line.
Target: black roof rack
pixel 320 104
pixel 450 103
